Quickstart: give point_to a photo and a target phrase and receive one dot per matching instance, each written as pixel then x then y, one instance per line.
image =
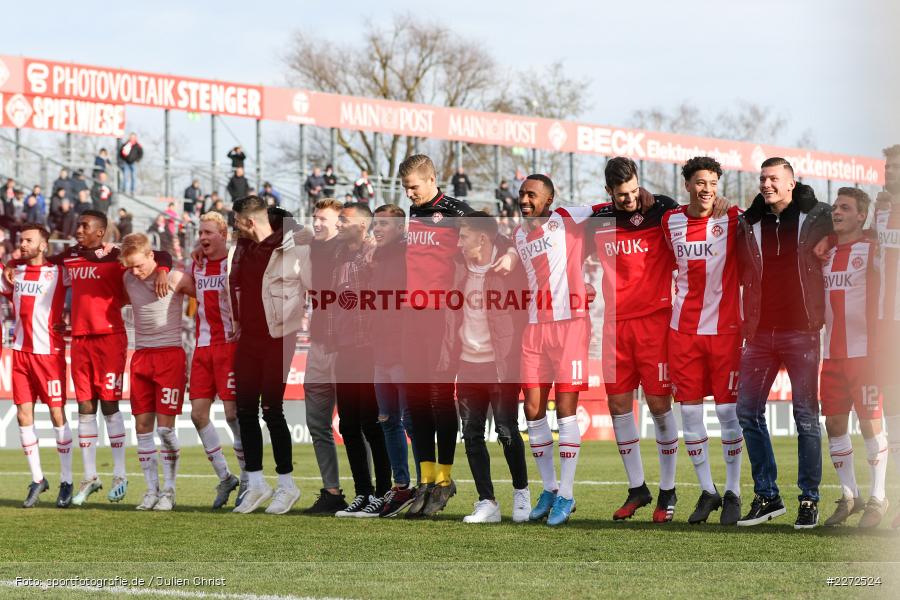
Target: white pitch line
pixel 588 482
pixel 130 591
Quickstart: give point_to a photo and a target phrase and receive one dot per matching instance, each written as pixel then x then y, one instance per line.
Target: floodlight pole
pixel 18 168
pixel 301 153
pixel 572 193
pixel 167 158
pixel 376 166
pixel 259 154
pixel 332 147
pixel 497 165
pixel 214 166
pixel 534 160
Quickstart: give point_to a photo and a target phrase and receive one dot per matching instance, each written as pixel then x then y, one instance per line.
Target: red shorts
pixel 849 383
pixel 98 365
pixel 635 353
pixel 157 380
pixel 887 339
pixel 212 372
pixel 704 365
pixel 556 352
pixel 39 377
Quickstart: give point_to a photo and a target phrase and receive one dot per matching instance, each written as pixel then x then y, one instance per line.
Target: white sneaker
pixel 521 505
pixel 253 499
pixel 166 500
pixel 486 511
pixel 282 500
pixel 149 501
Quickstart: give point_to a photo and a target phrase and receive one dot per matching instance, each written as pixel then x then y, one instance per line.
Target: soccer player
pixel 157 367
pixel 99 344
pixel 39 358
pixel 212 365
pixel 848 379
pixel 704 336
pixel 555 343
pixel 637 292
pixel 431 246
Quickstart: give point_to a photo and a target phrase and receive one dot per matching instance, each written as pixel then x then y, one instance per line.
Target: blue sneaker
pixel 562 508
pixel 544 504
pixel 119 487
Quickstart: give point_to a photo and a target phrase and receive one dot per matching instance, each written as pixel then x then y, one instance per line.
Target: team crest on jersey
pixel 552 225
pixel 48 275
pixel 437 217
pixel 858 262
pixel 717 230
pixel 636 219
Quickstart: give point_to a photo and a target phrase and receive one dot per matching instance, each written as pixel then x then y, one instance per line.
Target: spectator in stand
pixel 84 203
pixel 160 228
pixel 237 157
pixel 6 246
pixel 35 206
pixel 506 200
pixel 330 182
pixel 131 153
pixel 101 194
pixel 63 221
pixel 187 229
pixel 362 188
pixel 58 195
pixel 19 206
pixel 124 223
pixel 101 163
pixel 518 180
pixel 171 218
pixel 314 187
pixel 269 194
pixel 63 181
pixel 349 198
pixel 461 183
pixel 78 183
pixel 237 185
pixel 192 195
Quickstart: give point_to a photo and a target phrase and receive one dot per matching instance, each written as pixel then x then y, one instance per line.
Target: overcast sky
pixel 823 64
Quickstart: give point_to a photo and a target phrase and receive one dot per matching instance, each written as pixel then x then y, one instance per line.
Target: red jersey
pixel 637 262
pixel 431 245
pixel 849 309
pixel 215 324
pixel 707 285
pixel 38 297
pixel 552 256
pixel 887 227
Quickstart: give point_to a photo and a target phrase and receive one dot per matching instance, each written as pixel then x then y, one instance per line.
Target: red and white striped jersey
pixel 848 273
pixel 707 285
pixel 38 297
pixel 215 324
pixel 887 227
pixel 553 255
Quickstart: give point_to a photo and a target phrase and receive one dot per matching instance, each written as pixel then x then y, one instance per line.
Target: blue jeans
pixel 798 351
pixel 393 414
pixel 128 173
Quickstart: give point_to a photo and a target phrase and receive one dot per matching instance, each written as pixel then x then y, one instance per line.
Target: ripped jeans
pixel 762 357
pixel 393 414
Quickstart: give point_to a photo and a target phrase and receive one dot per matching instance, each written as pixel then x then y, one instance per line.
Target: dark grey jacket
pixel 815 224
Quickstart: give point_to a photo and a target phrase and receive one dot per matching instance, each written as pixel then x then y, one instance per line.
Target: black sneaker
pixel 637 497
pixel 423 492
pixel 396 500
pixel 35 489
pixel 64 498
pixel 762 510
pixel 731 509
pixel 354 507
pixel 707 503
pixel 437 500
pixel 665 506
pixel 807 515
pixel 372 509
pixel 327 504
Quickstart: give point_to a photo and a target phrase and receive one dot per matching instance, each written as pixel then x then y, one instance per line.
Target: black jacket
pixel 64 223
pixel 237 159
pixel 238 187
pixel 815 223
pixel 389 273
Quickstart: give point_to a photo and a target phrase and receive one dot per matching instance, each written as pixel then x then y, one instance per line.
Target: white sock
pixel 209 437
pixel 32 453
pixel 64 450
pixel 171 451
pixel 876 453
pixel 892 428
pixel 841 450
pixel 286 481
pixel 569 449
pixel 629 443
pixel 115 431
pixel 238 446
pixel 540 438
pixel 147 456
pixel 87 439
pixel 256 479
pixel 732 446
pixel 667 448
pixel 696 442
